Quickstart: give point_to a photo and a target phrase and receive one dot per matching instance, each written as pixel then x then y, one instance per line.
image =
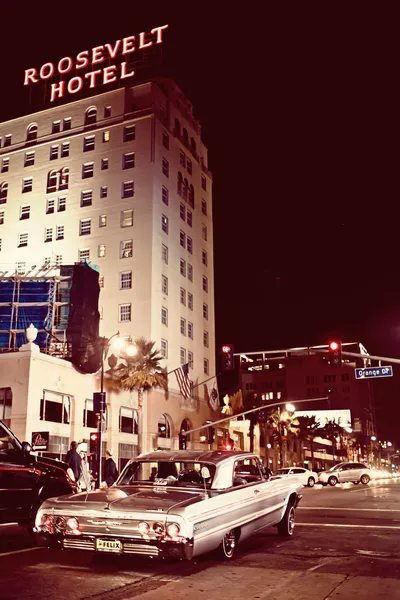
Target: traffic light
pixel 335 353
pixel 93 442
pixel 182 442
pixel 228 363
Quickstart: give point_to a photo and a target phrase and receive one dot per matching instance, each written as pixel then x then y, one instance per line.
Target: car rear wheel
pixel 364 479
pixel 286 526
pixel 311 482
pixel 228 545
pixel 332 481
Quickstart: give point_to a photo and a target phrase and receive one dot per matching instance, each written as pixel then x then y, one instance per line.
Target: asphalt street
pixel 346 544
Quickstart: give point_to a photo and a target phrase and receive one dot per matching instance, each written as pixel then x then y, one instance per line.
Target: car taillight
pixel 173 530
pixel 73 526
pixel 158 528
pixel 48 524
pixel 144 530
pixel 60 524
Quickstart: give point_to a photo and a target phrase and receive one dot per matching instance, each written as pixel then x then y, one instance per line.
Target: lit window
pixel 25 212
pixel 22 240
pixel 165 140
pixel 64 178
pixel 5 164
pixel 127 218
pixel 27 185
pixel 189 166
pixel 129 133
pixel 164 285
pixel 183 356
pixel 50 206
pixel 125 311
pixel 48 234
pixel 165 167
pixel 29 159
pixel 204 232
pixel 165 195
pixel 189 218
pixel 190 359
pixel 127 189
pixel 182 158
pixel 190 301
pixel 64 149
pixel 125 280
pixel 182 238
pixel 164 316
pixel 183 296
pixel 205 310
pixel 88 143
pixel 67 123
pixel 183 267
pixel 190 330
pixel 126 249
pixel 182 211
pixel 190 272
pixel 205 339
pixel 84 255
pixel 104 164
pixel 53 152
pixel 164 254
pixel 205 283
pixel 189 245
pixel 128 160
pixel 204 258
pixel 204 207
pixel 86 198
pixel 85 226
pixel 164 223
pixel 62 204
pixel 56 127
pixel 164 348
pixel 183 326
pixel 102 250
pixel 102 220
pixel 106 136
pixel 60 232
pixel 205 367
pixel 87 170
pixel 203 182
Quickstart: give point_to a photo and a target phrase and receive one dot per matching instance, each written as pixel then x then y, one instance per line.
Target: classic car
pixel 26 480
pixel 173 503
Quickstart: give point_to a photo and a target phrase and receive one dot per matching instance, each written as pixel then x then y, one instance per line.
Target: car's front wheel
pixel 332 481
pixel 311 482
pixel 286 526
pixel 228 545
pixel 365 479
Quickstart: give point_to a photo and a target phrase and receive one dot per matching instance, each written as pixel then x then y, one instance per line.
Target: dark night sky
pixel 299 107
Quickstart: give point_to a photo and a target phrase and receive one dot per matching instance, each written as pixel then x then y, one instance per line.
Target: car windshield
pixel 336 467
pixel 8 442
pixel 170 473
pixel 282 471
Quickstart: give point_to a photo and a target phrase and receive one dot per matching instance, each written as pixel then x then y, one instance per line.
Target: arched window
pixel 64 179
pixel 177 128
pixel 164 427
pixel 31 132
pixel 185 137
pixel 180 183
pixel 52 181
pixel 193 145
pixel 191 196
pixel 185 189
pixel 91 115
pixel 3 192
pixel 186 426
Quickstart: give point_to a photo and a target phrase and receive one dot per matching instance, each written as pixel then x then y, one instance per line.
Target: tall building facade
pixel 119 180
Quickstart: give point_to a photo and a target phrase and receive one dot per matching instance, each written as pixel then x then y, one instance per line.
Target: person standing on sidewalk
pixel 74 460
pixel 110 469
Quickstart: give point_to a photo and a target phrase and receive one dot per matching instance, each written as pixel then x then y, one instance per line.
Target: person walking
pixel 84 481
pixel 74 460
pixel 110 469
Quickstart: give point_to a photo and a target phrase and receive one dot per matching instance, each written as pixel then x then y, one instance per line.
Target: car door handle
pixel 256 491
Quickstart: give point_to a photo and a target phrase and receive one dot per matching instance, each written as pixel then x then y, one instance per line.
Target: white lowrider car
pixel 177 504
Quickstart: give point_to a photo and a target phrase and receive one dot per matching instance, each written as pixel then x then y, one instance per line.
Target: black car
pixel 27 480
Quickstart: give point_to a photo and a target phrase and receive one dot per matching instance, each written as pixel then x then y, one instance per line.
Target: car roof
pixel 210 456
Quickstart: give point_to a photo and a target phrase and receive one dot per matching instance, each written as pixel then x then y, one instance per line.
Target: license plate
pixel 109 546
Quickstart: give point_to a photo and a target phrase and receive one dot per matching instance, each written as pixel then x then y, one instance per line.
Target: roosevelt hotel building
pixel 121 180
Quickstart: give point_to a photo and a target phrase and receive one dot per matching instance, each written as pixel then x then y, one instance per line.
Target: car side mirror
pixel 26 448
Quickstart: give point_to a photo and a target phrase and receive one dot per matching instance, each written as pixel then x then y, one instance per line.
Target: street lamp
pixel 290 408
pixel 373 438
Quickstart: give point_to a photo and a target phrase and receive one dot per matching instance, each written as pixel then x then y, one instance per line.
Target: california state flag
pixel 211 393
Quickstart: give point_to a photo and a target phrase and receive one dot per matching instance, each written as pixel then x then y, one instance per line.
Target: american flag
pixel 185 385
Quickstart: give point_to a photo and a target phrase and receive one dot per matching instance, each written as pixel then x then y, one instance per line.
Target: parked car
pixel 173 503
pixel 343 472
pixel 27 480
pixel 306 477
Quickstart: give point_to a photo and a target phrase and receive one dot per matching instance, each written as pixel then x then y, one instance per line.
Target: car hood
pixel 50 462
pixel 129 499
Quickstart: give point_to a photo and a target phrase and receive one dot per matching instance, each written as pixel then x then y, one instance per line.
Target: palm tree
pixel 251 400
pixel 331 430
pixel 141 372
pixel 307 430
pixel 283 424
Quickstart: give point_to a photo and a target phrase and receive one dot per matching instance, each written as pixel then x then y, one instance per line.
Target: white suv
pixel 355 472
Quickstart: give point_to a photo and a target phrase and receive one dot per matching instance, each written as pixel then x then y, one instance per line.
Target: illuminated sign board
pixel 341 417
pixel 93 58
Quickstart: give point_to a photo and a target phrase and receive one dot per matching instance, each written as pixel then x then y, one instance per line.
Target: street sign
pixel 372 372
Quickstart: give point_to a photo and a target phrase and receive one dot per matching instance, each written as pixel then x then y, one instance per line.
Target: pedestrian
pixel 110 469
pixel 74 460
pixel 84 481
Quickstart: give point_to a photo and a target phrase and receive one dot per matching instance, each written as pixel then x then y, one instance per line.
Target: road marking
pixel 20 551
pixel 354 509
pixel 347 525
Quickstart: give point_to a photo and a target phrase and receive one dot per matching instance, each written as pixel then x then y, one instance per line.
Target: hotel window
pixel 27 185
pixel 102 250
pixel 205 283
pixel 183 326
pixel 204 232
pixel 85 226
pixel 55 407
pixel 84 255
pixel 189 166
pixel 190 272
pixel 22 240
pixel 182 239
pixel 204 207
pixel 106 136
pixel 129 133
pixel 56 127
pixel 29 159
pixel 101 282
pixel 164 223
pixel 164 316
pixel 102 220
pixel 125 311
pixel 206 367
pixel 182 211
pixel 88 143
pixel 7 140
pixel 126 249
pixel 104 164
pixel 203 183
pixel 2 217
pixel 204 258
pixel 91 116
pixel 50 206
pixel 190 301
pixel 20 267
pixel 205 310
pixel 128 160
pixel 107 112
pixel 127 189
pixel 179 184
pixel 48 234
pixel 183 296
pixel 164 254
pixel 165 167
pixel 183 356
pixel 190 330
pixel 31 132
pixel 60 232
pixel 87 170
pixel 58 260
pixel 3 192
pixel 89 417
pixel 164 348
pixel 64 149
pixel 125 280
pixel 86 198
pixel 62 204
pixel 103 191
pixel 189 245
pixel 190 359
pixel 205 339
pixel 191 196
pixel 182 158
pixel 165 195
pixel 5 164
pixel 127 218
pixel 67 124
pixel 53 152
pixel 64 178
pixel 25 212
pixel 165 140
pixel 183 267
pixel 189 218
pixel 164 285
pixel 128 420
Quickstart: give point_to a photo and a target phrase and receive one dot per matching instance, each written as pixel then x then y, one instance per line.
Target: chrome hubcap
pixel 291 520
pixel 229 543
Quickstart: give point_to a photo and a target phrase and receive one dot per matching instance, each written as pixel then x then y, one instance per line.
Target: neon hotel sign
pixel 94 58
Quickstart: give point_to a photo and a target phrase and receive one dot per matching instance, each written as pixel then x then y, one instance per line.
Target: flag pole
pixel 205 381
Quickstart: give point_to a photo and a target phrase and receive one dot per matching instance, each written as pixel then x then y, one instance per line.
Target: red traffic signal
pixel 228 363
pixel 93 442
pixel 335 353
pixel 333 346
pixel 226 349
